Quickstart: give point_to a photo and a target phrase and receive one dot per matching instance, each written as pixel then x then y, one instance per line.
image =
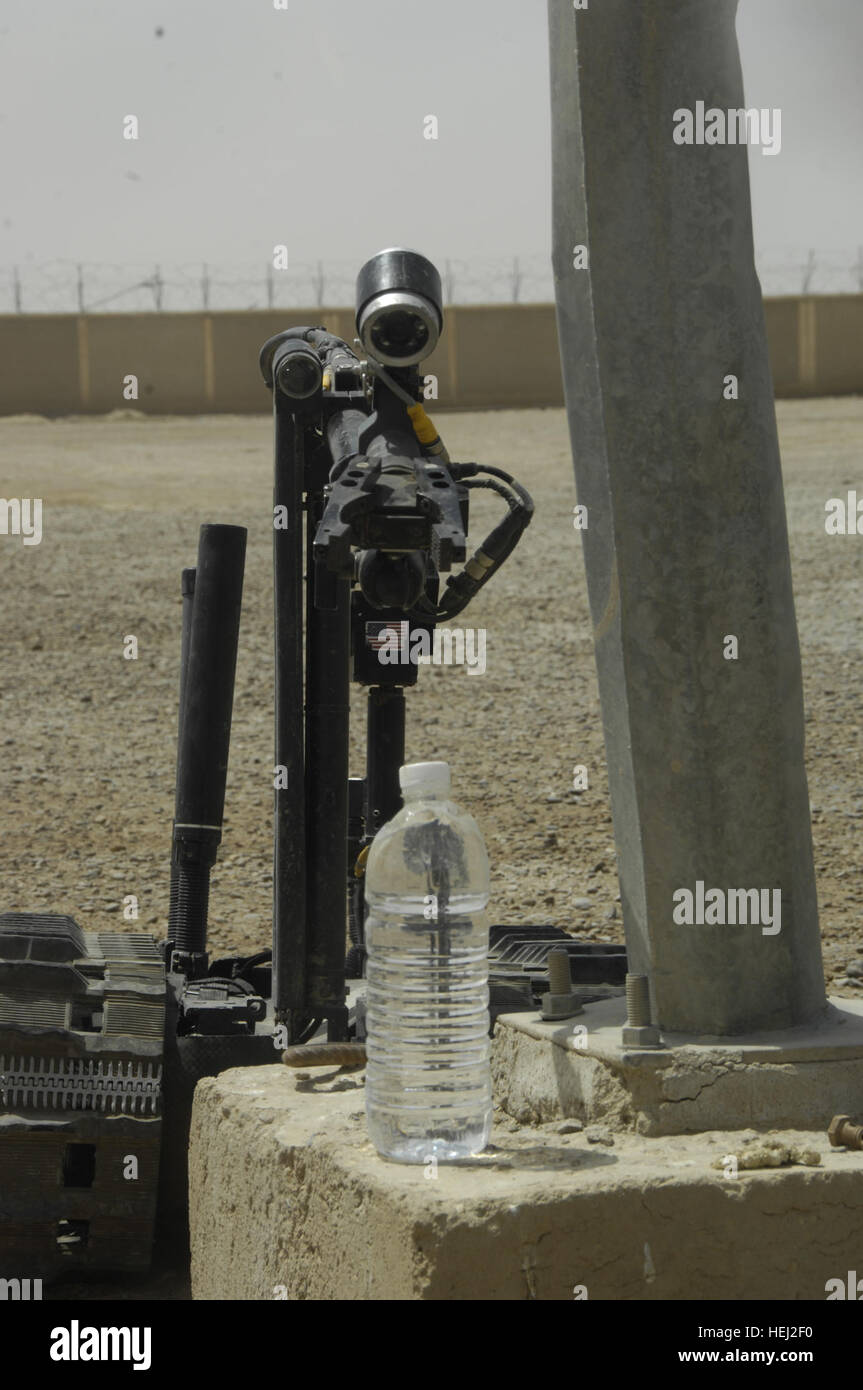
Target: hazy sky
pixel 305 127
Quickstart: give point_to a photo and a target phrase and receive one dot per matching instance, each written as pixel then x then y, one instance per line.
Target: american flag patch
pixel 380 634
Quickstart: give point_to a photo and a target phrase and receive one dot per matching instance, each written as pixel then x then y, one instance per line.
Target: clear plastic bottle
pixel 428 1079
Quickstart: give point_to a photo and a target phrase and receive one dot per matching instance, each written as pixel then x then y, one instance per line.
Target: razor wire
pixel 68 287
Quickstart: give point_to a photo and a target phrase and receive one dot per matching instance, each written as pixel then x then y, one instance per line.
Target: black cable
pixel 497 546
pixel 511 501
pixel 468 470
pixel 261 958
pixel 236 983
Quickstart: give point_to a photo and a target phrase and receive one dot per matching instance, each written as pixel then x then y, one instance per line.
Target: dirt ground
pixel 88 737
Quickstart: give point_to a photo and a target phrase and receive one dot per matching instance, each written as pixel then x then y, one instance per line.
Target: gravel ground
pixel 88 737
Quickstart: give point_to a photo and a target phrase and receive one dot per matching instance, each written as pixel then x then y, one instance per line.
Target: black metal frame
pixel 316 442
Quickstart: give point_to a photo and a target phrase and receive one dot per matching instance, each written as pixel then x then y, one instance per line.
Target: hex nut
pixel 641 1036
pixel 560 1006
pixel 835 1127
pixel 842 1133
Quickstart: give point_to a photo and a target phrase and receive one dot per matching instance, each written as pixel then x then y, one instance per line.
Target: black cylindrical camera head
pixel 391 581
pixel 399 307
pixel 297 370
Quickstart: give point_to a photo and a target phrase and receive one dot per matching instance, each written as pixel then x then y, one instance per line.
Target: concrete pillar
pixel 686 544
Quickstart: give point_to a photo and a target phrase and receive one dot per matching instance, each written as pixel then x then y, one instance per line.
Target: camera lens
pixel 401 327
pixel 391 581
pixel 399 334
pixel 299 373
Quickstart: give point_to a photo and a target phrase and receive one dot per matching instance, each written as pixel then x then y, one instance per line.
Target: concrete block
pixel 40 364
pixel 780 316
pixel 290 1200
pixel 164 351
pixel 512 342
pixel 797 1079
pixel 838 343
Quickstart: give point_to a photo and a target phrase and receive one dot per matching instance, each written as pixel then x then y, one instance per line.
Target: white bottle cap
pixel 429 777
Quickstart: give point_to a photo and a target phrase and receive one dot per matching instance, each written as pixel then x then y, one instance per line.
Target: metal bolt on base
pixel 843 1134
pixel 638 1031
pixel 561 1001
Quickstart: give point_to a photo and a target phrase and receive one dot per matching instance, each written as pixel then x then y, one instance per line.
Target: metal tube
pixel 289 867
pixel 327 712
pixel 205 733
pixel 385 754
pixel 187 589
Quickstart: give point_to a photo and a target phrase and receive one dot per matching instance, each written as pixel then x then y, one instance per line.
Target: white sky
pixel 305 127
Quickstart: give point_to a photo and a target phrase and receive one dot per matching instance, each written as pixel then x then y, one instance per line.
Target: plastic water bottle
pixel 428 1078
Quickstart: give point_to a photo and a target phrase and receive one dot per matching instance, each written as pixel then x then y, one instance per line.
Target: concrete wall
pixel 816 344
pixel 489 356
pixel 39 359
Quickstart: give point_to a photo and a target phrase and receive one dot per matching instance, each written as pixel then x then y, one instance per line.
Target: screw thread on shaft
pixel 191 906
pixel 559 977
pixel 637 1001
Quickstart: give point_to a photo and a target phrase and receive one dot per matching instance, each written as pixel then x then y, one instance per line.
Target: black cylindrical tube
pixel 187 589
pixel 398 269
pixel 356 841
pixel 205 732
pixel 209 693
pixel 385 754
pixel 289 867
pixel 327 711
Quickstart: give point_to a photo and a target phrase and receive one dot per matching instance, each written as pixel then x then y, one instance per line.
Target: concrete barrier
pixel 838 345
pixel 289 1201
pixel 40 372
pixel 490 356
pixel 162 351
